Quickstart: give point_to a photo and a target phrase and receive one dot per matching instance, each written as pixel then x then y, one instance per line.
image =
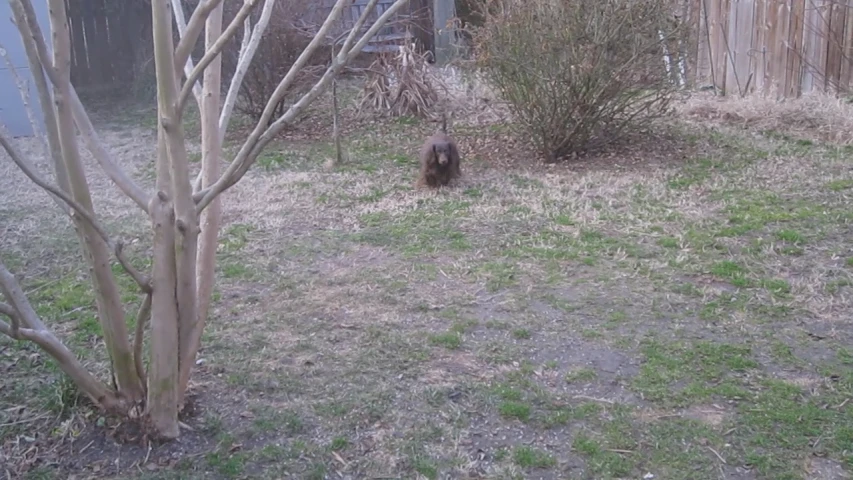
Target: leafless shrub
pixel 576 74
pixel 399 84
pixel 283 41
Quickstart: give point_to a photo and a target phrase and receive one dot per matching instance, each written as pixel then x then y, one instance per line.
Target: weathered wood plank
pixel 847 50
pixel 793 74
pixel 834 56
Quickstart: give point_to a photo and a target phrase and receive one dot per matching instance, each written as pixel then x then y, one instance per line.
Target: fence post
pixel 443 12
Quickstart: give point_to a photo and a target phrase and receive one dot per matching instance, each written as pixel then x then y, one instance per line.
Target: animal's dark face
pixel 442 153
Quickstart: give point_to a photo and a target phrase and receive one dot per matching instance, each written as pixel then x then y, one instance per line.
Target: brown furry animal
pixel 439 159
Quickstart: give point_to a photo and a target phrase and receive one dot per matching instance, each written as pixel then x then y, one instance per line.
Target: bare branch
pixel 214 51
pixel 247 53
pixel 45 99
pixel 210 219
pixel 356 28
pixel 18 299
pixel 231 175
pixel 181 23
pixel 104 159
pixel 371 32
pixel 248 47
pixel 25 97
pixel 28 169
pixel 81 119
pixel 6 309
pixel 193 30
pixel 69 364
pixel 142 317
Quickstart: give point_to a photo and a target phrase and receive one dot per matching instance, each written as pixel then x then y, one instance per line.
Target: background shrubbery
pixel 575 74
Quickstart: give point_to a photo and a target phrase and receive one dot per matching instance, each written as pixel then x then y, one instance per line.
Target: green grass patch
pixel 415 233
pixel 529 457
pixel 679 374
pixel 448 340
pixel 515 410
pixel 581 375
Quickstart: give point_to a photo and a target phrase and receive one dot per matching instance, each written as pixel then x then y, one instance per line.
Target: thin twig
pixel 594 399
pixel 718 455
pixel 26 420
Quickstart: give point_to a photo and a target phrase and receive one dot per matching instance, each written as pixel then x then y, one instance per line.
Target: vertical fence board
pixel 702 71
pixel 690 50
pixel 810 56
pixel 782 47
pixel 80 67
pixel 721 56
pixel 102 46
pixel 770 47
pixel 824 17
pixel 836 41
pixel 757 56
pixel 847 48
pixel 730 45
pixel 743 43
pixel 793 74
pixel 717 32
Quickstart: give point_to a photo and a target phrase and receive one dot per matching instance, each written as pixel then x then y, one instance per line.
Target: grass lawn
pixel 679 308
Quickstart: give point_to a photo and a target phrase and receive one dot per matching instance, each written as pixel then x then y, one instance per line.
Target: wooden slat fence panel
pixel 775 47
pixel 103 44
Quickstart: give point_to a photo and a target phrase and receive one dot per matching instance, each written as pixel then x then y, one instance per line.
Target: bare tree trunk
pixel 211 153
pixel 178 295
pixel 163 368
pixel 175 222
pixel 108 297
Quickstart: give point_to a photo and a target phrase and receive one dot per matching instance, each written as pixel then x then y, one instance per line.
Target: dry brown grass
pixel 814 116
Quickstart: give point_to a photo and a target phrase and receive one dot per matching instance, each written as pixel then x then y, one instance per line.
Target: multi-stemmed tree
pixel 184 212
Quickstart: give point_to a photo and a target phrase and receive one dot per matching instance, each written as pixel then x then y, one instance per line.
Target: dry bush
pixel 399 84
pixel 283 41
pixel 576 74
pixel 813 116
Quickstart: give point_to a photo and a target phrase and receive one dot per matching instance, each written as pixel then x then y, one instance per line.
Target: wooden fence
pixel 104 34
pixel 778 47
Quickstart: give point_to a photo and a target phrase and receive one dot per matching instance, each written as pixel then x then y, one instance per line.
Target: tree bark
pixel 163 370
pixel 211 153
pixel 179 267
